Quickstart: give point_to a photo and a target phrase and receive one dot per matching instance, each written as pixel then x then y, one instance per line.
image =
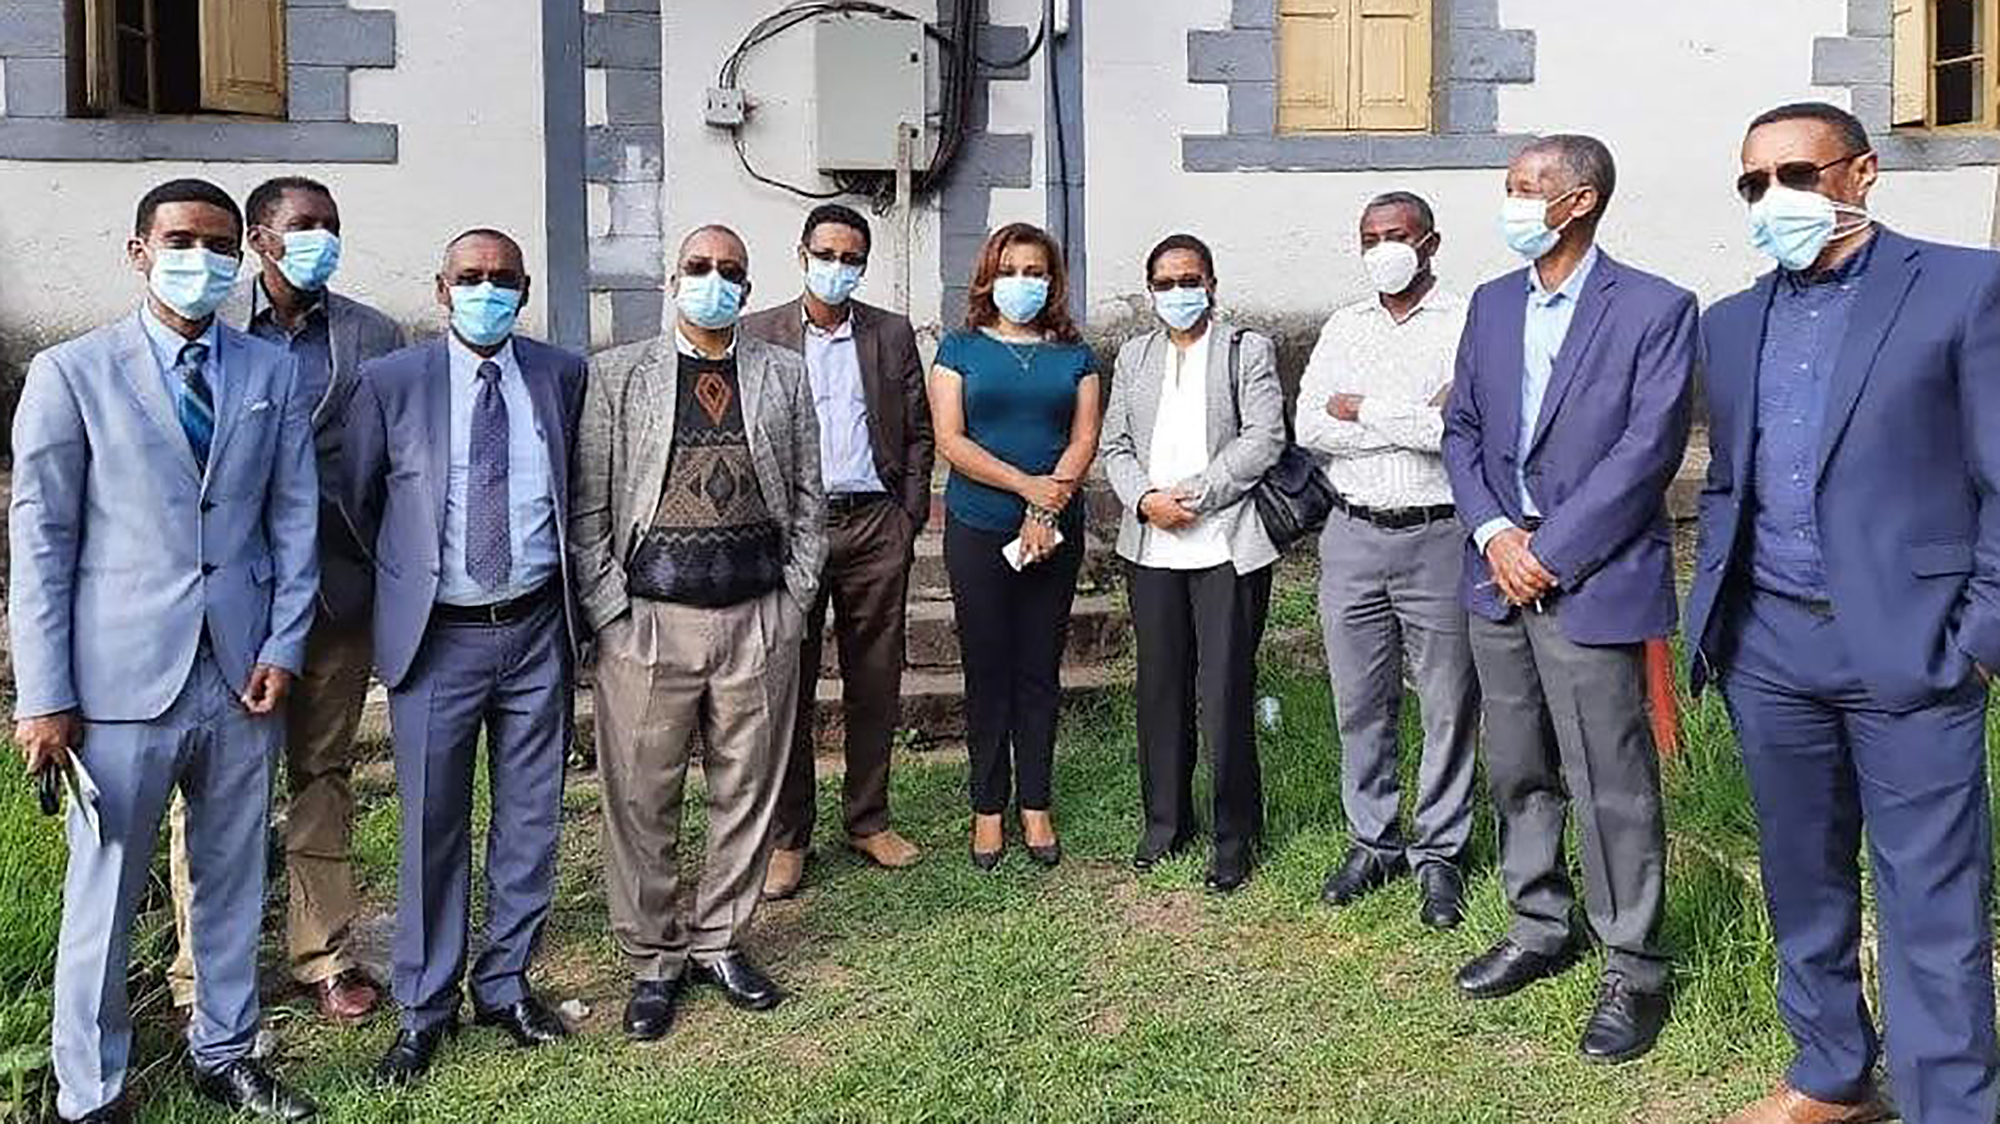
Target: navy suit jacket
pixel 1612 430
pixel 1909 464
pixel 398 453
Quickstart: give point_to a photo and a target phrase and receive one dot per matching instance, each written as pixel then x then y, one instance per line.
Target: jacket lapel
pixel 343 336
pixel 881 395
pixel 238 373
pixel 1510 326
pixel 133 356
pixel 548 423
pixel 1222 422
pixel 437 403
pixel 750 387
pixel 1742 360
pixel 657 377
pixel 1884 287
pixel 1590 309
pixel 1147 383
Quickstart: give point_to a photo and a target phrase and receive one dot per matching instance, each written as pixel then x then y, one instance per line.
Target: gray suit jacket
pixel 123 550
pixel 398 454
pixel 626 445
pixel 1246 432
pixel 356 333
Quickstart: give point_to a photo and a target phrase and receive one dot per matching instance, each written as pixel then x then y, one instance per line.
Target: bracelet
pixel 1042 515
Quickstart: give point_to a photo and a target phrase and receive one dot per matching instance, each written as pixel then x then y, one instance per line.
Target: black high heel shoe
pixel 987 860
pixel 1046 856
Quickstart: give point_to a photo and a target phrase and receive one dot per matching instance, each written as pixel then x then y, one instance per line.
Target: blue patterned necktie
pixel 196 401
pixel 489 550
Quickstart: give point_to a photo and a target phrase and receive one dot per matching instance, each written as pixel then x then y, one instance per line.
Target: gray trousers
pixel 664 673
pixel 513 682
pixel 219 756
pixel 1384 595
pixel 1566 727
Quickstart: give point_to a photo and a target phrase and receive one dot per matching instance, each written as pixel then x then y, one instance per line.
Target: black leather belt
pixel 854 501
pixel 498 613
pixel 1398 518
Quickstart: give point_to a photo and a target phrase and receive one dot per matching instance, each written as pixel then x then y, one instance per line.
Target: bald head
pixel 483 242
pixel 480 256
pixel 714 244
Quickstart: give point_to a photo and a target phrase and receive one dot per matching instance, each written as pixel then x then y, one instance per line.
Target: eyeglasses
pixel 732 272
pixel 1799 175
pixel 858 261
pixel 1162 284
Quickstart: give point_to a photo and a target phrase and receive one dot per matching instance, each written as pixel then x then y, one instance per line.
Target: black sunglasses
pixel 732 272
pixel 1799 175
pixel 856 260
pixel 1162 284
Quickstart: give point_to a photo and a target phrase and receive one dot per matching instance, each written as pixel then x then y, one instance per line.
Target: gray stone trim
pixel 324 40
pixel 565 204
pixel 1863 61
pixel 627 155
pixel 1473 57
pixel 986 161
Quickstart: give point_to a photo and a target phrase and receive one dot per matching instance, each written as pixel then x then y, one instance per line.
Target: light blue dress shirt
pixel 846 452
pixel 167 345
pixel 531 507
pixel 1543 330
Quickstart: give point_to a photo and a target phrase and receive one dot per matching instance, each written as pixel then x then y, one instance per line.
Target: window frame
pixel 104 35
pixel 1347 85
pixel 1986 55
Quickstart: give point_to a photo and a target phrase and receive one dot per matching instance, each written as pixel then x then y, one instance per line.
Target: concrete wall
pixel 467 97
pixel 1668 86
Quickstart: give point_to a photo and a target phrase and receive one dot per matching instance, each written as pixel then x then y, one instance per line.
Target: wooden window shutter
pixel 243 56
pixel 1315 40
pixel 1391 85
pixel 1911 71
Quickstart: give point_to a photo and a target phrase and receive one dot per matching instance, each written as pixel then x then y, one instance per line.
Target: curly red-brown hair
pixel 1054 319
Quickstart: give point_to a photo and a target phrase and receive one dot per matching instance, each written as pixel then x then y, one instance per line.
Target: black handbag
pixel 1293 497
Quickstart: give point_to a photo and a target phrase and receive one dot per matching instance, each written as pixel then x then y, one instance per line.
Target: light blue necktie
pixel 196 401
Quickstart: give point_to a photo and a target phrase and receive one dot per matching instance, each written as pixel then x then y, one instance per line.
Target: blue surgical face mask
pixel 832 281
pixel 484 314
pixel 1794 226
pixel 193 281
pixel 1180 308
pixel 1021 299
pixel 310 258
pixel 1525 225
pixel 709 301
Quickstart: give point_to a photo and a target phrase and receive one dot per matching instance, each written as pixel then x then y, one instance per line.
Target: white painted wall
pixel 706 184
pixel 1668 86
pixel 467 97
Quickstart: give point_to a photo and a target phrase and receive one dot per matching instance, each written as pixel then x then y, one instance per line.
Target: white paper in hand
pixel 1012 551
pixel 84 794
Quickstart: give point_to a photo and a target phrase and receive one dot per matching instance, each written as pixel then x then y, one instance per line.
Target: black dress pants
pixel 1012 628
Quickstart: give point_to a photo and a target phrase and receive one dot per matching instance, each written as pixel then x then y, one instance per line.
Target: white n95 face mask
pixel 1391 266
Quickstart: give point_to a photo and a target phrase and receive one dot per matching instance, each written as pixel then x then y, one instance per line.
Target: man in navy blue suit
pixel 1847 603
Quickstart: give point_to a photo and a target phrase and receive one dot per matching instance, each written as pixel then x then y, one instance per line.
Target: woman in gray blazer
pixel 1196 417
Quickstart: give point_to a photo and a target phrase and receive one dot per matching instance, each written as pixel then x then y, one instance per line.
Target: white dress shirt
pixel 1391 457
pixel 531 508
pixel 846 452
pixel 1179 453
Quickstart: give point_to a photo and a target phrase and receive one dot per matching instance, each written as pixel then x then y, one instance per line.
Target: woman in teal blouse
pixel 1016 408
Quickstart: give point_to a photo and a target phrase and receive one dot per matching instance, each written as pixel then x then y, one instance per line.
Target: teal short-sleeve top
pixel 1019 400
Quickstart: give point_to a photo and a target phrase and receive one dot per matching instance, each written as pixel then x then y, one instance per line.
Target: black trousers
pixel 1011 632
pixel 1197 633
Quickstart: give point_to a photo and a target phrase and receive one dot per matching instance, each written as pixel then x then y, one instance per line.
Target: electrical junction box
pixel 869 82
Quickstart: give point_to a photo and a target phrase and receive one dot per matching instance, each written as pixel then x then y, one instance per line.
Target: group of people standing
pixel 227 513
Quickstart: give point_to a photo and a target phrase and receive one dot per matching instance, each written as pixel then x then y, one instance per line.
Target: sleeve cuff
pixel 1483 534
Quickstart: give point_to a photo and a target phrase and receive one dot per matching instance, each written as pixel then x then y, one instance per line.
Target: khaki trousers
pixel 666 672
pixel 320 720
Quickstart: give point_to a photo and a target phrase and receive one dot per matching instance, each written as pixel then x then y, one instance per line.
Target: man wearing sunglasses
pixel 698 538
pixel 1847 603
pixel 1567 420
pixel 876 449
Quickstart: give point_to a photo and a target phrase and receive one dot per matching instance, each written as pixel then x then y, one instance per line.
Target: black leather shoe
pixel 1444 895
pixel 1361 871
pixel 745 986
pixel 244 1086
pixel 528 1021
pixel 1226 876
pixel 113 1113
pixel 409 1056
pixel 649 1014
pixel 1625 1024
pixel 1507 968
pixel 1150 855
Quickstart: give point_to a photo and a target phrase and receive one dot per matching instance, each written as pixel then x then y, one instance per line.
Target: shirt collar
pixel 1437 299
pixel 686 346
pixel 465 361
pixel 1846 272
pixel 261 308
pixel 841 331
pixel 1572 286
pixel 167 343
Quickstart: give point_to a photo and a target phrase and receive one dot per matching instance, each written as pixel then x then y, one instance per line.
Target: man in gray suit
pixel 457 460
pixel 295 229
pixel 697 541
pixel 163 573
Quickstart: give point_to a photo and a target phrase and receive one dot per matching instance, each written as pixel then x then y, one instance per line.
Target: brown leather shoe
pixel 782 877
pixel 1789 1106
pixel 885 849
pixel 347 996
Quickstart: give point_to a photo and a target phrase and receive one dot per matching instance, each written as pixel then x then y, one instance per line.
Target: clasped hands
pixel 1519 575
pixel 1050 494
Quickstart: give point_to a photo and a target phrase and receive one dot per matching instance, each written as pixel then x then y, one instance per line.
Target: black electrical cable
pixel 1027 56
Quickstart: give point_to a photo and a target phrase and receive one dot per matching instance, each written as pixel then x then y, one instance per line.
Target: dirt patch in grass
pixel 1176 914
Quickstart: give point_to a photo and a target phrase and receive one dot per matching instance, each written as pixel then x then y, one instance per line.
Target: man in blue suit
pixel 1567 420
pixel 1847 603
pixel 162 583
pixel 457 460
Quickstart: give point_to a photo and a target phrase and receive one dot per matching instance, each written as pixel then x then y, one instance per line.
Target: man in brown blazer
pixel 875 458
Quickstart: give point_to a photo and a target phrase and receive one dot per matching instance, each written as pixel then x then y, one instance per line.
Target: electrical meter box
pixel 869 82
